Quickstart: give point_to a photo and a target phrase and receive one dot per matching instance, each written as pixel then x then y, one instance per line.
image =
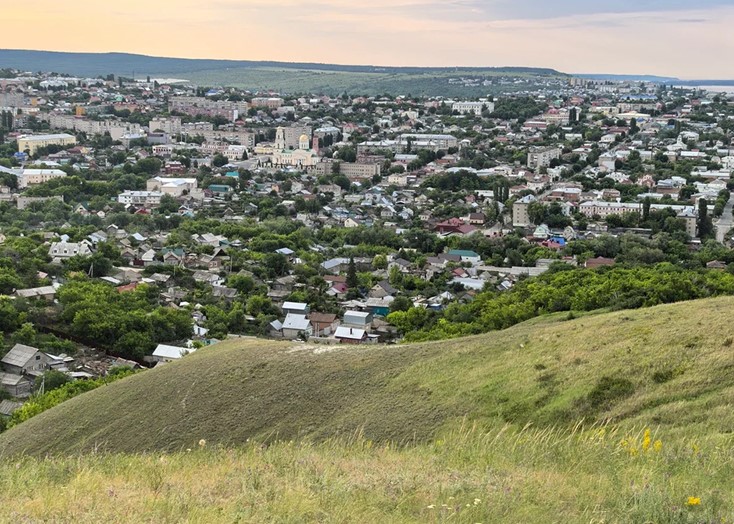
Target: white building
pixel 140 198
pixel 472 107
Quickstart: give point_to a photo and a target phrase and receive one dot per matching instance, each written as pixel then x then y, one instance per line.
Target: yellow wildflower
pixel 646 440
pixel 658 446
pixel 693 501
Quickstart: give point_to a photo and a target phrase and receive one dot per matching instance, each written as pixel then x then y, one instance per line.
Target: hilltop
pixel 286 77
pixel 669 366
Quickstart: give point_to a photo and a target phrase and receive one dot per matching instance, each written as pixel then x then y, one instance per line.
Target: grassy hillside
pixel 286 77
pixel 484 429
pixel 468 477
pixel 669 366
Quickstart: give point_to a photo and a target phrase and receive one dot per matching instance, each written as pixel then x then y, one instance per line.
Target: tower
pixel 280 138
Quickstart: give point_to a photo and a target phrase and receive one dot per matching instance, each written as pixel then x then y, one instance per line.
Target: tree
pixel 51 380
pixel 646 209
pixel 352 279
pixel 705 225
pixel 379 262
pixel 401 303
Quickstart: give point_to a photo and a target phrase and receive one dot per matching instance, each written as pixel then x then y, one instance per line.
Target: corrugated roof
pixel 9 379
pixel 172 352
pixel 19 355
pixel 8 406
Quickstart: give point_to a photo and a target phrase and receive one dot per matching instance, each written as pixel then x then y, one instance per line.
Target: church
pixel 304 157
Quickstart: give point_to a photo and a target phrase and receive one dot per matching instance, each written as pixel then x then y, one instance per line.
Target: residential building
pixel 472 107
pixel 32 177
pixel 542 156
pixel 31 143
pixel 520 211
pixel 140 198
pixel 63 250
pixel 25 360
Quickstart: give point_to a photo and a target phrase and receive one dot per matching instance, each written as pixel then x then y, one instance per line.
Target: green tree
pixel 51 380
pixel 705 224
pixel 352 279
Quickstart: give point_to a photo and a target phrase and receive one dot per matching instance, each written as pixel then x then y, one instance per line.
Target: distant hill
pixel 629 78
pixel 665 365
pixel 94 64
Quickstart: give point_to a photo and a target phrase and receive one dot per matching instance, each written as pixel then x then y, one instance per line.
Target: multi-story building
pixel 416 142
pixel 604 209
pixel 353 171
pixel 472 107
pixel 195 106
pixel 140 198
pixel 520 211
pixel 31 143
pixel 267 102
pixel 542 156
pixel 31 177
pixel 116 128
pixel 170 125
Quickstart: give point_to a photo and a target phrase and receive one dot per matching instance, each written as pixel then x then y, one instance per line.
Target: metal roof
pixel 19 355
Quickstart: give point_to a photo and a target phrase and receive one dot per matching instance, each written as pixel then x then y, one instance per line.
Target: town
pixel 144 219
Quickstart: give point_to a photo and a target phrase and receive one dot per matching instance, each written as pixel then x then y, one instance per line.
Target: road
pixel 726 222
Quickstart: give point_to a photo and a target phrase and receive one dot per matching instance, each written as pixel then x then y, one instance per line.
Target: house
pixel 16 385
pixel 47 293
pixel 295 325
pixel 594 263
pixel 22 360
pixel 349 335
pixel 357 319
pixel 63 250
pixel 380 307
pixel 323 324
pixel 466 256
pixel 298 308
pixel 164 353
pixel 382 290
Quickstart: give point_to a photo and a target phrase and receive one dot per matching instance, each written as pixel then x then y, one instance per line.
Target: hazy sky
pixel 691 39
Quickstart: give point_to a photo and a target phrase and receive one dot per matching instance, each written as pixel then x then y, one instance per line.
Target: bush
pixel 607 390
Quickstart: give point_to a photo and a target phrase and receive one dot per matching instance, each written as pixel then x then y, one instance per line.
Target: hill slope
pixel 286 77
pixel 670 366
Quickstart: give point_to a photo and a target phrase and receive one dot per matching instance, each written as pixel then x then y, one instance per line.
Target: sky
pixel 686 39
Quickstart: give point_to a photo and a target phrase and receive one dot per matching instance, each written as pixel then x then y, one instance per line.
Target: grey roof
pixel 19 355
pixel 8 406
pixel 36 292
pixel 10 379
pixel 297 322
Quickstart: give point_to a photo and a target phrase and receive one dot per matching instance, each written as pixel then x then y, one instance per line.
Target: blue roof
pixel 463 253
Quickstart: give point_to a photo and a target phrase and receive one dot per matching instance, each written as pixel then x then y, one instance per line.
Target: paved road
pixel 726 222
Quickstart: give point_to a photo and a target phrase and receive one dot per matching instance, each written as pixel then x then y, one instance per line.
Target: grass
pixel 504 475
pixel 668 366
pixel 477 430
